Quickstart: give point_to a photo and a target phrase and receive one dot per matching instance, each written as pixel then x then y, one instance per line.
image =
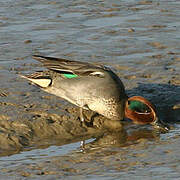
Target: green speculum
pixel 138 107
pixel 69 76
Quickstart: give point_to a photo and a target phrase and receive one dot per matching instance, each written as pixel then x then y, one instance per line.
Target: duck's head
pixel 141 111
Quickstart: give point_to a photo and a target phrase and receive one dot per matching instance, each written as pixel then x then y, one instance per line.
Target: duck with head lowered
pixel 92 87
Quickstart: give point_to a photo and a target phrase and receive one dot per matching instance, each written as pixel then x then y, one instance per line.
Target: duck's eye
pixel 138 107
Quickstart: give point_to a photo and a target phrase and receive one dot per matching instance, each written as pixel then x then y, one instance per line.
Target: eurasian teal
pixel 93 87
pixel 88 86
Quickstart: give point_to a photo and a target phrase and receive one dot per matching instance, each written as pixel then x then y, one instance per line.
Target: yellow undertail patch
pixel 40 82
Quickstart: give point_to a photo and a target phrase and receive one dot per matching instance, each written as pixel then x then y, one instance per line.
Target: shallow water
pixel 140 40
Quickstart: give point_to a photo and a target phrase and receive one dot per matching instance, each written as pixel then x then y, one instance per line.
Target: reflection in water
pixel 124 137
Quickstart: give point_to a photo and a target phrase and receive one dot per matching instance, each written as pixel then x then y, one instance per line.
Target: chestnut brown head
pixel 140 110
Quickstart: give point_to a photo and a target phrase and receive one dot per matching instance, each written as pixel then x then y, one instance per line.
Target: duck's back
pixel 105 95
pixel 86 85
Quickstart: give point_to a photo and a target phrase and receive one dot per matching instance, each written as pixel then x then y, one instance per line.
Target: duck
pixel 92 87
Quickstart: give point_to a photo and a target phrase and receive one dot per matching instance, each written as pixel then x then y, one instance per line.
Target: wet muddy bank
pixel 106 157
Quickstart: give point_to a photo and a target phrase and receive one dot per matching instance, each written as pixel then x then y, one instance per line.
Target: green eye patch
pixel 138 107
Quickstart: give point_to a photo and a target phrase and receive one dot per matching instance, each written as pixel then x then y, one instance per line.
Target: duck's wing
pixel 73 67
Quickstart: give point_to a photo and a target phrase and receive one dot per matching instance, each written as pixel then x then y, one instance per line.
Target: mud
pixel 138 39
